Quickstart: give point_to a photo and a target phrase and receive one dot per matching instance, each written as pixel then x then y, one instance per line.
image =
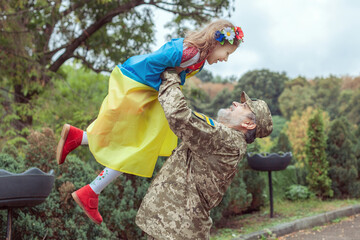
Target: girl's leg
pixel 88 197
pixel 71 138
pixel 84 140
pixel 103 179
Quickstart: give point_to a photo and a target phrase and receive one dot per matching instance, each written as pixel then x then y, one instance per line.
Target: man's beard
pixel 224 117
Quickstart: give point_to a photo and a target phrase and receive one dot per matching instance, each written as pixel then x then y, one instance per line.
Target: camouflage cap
pixel 264 124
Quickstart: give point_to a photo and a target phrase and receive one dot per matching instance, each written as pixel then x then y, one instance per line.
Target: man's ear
pixel 248 125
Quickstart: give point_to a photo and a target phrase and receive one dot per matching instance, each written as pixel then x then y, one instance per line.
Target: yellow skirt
pixel 131 130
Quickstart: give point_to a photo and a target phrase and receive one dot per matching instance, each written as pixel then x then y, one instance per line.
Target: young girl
pixel 131 130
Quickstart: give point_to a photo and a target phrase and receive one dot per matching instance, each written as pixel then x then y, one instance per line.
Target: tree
pixel 296 97
pixel 38 37
pixel 349 105
pixel 342 159
pixel 327 91
pixel 75 99
pixel 316 162
pixel 265 85
pixel 197 98
pixel 222 100
pixel 282 144
pixel 279 123
pixel 205 76
pixel 297 133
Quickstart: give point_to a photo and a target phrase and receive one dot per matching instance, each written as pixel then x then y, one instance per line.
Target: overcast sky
pixel 311 38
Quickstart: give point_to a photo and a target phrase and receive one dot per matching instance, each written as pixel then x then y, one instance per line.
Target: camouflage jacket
pixel 195 177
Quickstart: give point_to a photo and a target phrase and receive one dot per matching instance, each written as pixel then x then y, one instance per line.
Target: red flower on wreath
pixel 239 33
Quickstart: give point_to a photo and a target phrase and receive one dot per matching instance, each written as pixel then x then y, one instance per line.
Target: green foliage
pixel 222 100
pixel 280 181
pixel 74 99
pixel 298 192
pixel 316 162
pixel 342 159
pixel 59 217
pixel 11 163
pixel 296 97
pixel 205 76
pixel 279 123
pixel 320 93
pixel 348 105
pixel 263 84
pixel 282 144
pixel 327 91
pixel 357 148
pixel 196 98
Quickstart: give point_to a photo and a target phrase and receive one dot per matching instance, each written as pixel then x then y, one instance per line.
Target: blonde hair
pixel 205 40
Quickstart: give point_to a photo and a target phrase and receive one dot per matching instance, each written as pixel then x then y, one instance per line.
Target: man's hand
pixel 170 75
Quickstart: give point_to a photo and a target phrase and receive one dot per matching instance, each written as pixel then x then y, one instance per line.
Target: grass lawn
pixel 284 211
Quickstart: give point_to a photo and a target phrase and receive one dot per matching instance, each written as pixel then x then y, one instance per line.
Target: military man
pixel 195 177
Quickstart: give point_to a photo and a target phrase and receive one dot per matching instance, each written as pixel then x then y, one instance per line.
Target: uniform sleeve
pixel 191 130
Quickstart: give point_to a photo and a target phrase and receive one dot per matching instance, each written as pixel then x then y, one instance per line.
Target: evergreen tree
pixel 316 162
pixel 282 144
pixel 357 148
pixel 342 159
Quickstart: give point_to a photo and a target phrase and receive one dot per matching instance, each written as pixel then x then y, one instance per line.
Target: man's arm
pixel 193 131
pixel 174 104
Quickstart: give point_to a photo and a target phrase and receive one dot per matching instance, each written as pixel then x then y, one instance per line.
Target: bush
pixel 298 192
pixel 342 159
pixel 317 164
pixel 59 217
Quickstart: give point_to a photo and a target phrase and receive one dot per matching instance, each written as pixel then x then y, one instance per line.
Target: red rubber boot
pixel 88 200
pixel 71 138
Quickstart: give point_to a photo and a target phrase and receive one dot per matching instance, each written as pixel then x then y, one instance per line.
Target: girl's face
pixel 220 53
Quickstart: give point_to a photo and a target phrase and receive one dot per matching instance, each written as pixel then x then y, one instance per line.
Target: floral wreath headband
pixel 229 34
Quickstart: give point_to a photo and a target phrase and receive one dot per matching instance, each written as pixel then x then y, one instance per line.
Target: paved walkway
pixel 347 229
pixel 319 227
